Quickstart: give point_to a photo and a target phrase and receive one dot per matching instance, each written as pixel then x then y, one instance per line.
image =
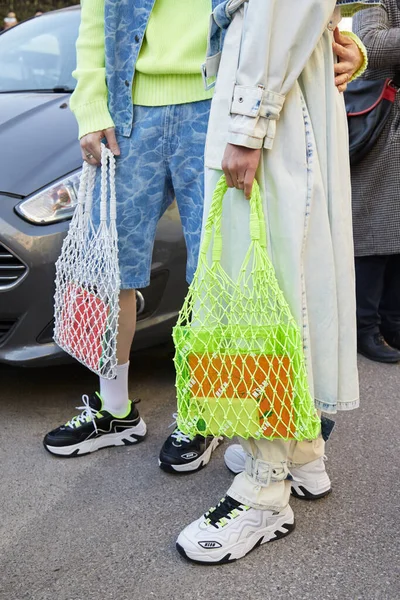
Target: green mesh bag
pixel 239 360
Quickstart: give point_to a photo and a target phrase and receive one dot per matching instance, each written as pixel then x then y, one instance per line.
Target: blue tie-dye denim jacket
pixel 125 26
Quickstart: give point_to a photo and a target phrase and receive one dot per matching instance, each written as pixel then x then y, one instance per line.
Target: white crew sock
pixel 114 392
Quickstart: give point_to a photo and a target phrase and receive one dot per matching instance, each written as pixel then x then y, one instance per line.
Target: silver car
pixel 40 163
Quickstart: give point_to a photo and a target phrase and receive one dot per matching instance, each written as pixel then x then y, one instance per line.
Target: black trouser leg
pixel 370 277
pixel 390 302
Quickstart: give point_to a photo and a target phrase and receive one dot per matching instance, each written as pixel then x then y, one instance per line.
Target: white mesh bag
pixel 87 276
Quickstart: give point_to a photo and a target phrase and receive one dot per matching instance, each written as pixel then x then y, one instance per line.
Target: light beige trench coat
pixel 275 89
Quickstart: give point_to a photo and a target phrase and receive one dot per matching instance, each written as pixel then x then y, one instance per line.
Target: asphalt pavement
pixel 103 527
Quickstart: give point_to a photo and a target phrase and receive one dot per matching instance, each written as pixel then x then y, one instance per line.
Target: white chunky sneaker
pixel 235 458
pixel 309 482
pixel 230 531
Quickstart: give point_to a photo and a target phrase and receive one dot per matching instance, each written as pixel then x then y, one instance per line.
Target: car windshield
pixel 39 54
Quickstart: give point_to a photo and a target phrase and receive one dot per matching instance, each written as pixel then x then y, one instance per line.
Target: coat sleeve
pixel 381 40
pixel 278 38
pixel 89 102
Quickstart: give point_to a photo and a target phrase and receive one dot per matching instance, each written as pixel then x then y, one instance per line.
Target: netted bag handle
pixel 87 185
pixel 213 227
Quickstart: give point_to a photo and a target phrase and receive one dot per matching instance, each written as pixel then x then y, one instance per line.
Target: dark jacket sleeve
pixel 380 38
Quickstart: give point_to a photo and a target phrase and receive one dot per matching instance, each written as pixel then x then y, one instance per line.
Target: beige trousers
pixel 267 487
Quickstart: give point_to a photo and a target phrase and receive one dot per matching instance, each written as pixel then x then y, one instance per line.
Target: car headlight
pixel 53 204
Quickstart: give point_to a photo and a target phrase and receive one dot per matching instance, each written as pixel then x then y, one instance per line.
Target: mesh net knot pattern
pixel 240 367
pixel 87 276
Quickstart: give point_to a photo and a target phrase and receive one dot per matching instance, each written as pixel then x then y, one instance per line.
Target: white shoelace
pixel 178 434
pixel 87 414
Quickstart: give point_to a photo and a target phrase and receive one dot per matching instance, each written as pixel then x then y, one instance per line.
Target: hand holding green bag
pixel 239 358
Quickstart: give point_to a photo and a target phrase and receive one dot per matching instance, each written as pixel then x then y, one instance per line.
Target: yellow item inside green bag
pixel 239 358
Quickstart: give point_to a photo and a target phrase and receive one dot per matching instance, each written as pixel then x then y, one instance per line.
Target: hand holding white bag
pixel 87 276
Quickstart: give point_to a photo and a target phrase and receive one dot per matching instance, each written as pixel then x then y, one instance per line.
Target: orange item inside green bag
pixel 264 383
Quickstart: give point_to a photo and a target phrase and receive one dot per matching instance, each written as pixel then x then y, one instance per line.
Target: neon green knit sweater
pixel 168 67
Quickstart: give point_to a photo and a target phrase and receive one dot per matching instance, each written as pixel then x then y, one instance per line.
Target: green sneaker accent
pixel 123 416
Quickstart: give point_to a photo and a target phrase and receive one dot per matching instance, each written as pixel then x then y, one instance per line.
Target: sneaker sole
pixel 270 534
pixel 304 494
pixel 195 465
pixel 128 437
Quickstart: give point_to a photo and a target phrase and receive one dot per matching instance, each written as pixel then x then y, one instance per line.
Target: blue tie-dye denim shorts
pixel 163 159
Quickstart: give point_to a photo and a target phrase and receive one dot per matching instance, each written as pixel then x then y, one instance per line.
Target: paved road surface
pixel 103 527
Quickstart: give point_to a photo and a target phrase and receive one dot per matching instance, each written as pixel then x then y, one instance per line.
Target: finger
pixel 91 157
pixel 240 179
pixel 91 145
pixel 248 182
pixel 343 67
pixel 337 35
pixel 93 151
pixel 228 176
pixel 341 51
pixel 342 88
pixel 90 161
pixel 342 79
pixel 112 143
pixel 340 38
pixel 88 155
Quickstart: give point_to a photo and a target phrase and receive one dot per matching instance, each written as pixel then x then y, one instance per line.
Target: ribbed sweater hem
pixel 162 90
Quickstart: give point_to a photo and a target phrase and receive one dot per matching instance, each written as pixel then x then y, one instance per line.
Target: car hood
pixel 38 141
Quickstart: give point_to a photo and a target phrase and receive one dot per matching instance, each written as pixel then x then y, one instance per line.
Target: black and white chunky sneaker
pixel 230 531
pixel 95 428
pixel 185 454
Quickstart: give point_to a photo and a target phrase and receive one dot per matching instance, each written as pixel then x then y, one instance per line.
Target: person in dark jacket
pixel 376 200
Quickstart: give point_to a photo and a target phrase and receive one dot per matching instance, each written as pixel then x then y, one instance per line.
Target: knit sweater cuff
pixel 92 117
pixel 363 51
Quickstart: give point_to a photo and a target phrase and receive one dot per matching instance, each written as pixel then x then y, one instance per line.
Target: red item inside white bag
pixel 87 316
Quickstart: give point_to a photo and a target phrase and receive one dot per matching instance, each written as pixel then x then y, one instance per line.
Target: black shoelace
pixel 223 510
